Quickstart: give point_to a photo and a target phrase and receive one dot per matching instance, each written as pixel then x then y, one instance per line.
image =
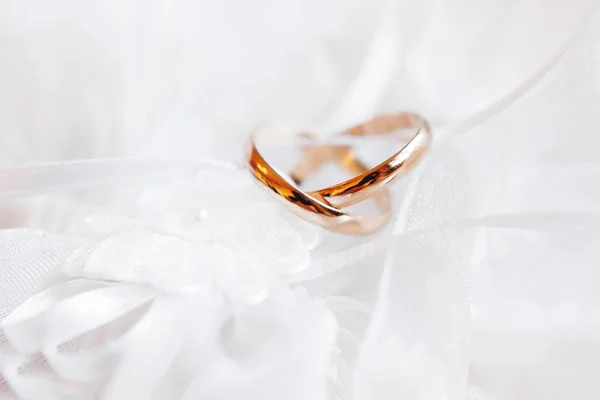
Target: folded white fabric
pixel 128 278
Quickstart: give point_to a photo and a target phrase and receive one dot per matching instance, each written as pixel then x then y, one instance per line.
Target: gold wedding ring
pixel 326 207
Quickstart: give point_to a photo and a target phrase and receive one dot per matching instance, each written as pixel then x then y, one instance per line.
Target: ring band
pixel 325 207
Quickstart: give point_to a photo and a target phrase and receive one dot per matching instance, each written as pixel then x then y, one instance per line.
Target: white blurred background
pixel 180 78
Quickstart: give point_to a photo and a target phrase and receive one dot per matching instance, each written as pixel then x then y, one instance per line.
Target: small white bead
pixel 195 217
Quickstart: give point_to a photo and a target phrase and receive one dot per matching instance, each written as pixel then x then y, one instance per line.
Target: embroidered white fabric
pixel 145 271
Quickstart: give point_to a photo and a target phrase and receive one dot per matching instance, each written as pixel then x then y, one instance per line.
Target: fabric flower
pixel 184 292
pixel 194 235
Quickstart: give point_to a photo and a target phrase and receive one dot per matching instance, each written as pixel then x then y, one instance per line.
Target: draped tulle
pixel 149 278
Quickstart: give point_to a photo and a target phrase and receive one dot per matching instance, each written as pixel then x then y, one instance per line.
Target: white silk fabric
pixel 157 276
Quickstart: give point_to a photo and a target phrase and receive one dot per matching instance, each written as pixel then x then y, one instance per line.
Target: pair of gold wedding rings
pixel 328 207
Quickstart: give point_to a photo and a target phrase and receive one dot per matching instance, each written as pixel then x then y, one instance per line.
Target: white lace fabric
pixel 146 279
